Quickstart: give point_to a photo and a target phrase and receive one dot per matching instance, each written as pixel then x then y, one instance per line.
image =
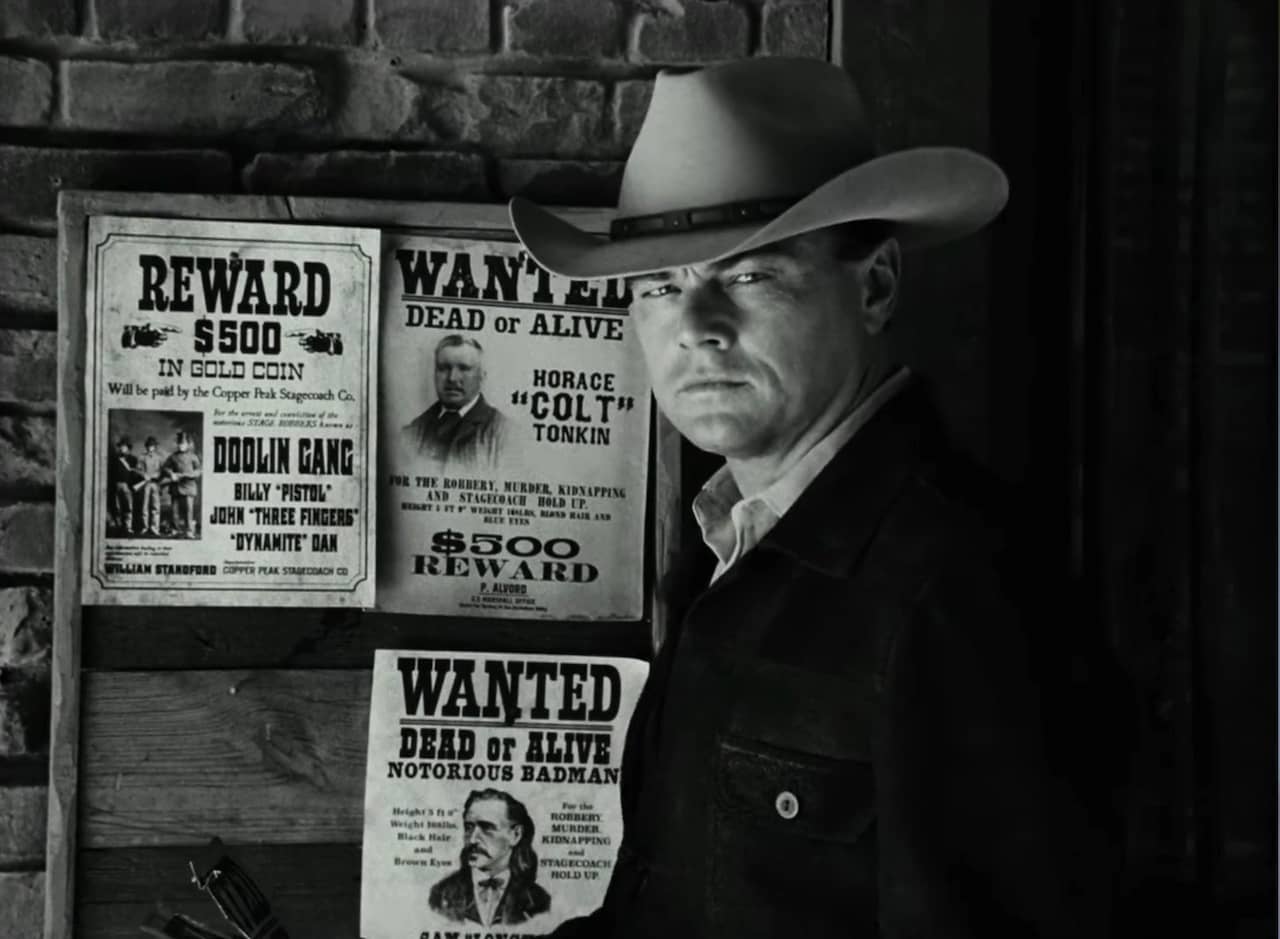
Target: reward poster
pixel 514 437
pixel 491 794
pixel 230 383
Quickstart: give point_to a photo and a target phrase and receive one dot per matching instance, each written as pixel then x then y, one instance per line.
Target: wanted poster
pixel 514 437
pixel 491 791
pixel 230 387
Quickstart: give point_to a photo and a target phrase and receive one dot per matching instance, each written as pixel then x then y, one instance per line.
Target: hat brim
pixel 927 194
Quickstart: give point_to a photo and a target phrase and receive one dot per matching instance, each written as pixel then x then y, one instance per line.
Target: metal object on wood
pixel 239 899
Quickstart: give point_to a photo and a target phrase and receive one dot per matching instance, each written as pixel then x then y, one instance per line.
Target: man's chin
pixel 728 436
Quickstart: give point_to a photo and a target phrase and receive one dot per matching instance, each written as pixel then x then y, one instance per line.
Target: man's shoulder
pixel 452 888
pixel 422 418
pixel 486 413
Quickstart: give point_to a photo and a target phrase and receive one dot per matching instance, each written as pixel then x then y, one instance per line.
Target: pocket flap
pixel 814 796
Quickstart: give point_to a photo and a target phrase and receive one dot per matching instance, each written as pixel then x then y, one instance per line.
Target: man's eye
pixel 748 277
pixel 661 290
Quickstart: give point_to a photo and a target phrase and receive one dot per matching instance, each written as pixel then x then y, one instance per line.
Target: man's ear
pixel 880 272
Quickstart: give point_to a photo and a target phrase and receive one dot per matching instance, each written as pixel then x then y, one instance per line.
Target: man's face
pixel 183 446
pixel 122 449
pixel 488 836
pixel 747 353
pixel 458 375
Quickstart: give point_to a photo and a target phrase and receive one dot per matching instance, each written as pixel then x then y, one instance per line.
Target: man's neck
pixel 465 409
pixel 756 474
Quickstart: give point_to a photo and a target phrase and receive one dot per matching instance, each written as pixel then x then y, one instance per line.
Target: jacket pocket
pixel 791 842
pixel 801 794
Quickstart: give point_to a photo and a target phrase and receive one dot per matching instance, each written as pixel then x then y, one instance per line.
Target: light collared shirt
pixel 487 898
pixel 461 412
pixel 732 526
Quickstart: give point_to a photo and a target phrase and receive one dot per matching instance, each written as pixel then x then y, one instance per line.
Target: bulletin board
pixel 176 724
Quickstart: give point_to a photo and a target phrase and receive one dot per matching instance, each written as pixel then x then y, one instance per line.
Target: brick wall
pixel 470 100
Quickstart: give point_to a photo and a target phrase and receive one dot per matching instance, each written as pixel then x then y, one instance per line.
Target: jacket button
pixel 787 804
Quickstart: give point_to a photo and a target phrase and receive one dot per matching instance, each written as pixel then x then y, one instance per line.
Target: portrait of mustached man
pixel 842 733
pixel 461 429
pixel 496 882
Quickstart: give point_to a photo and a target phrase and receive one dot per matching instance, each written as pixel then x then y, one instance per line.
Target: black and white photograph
pixel 153 478
pixel 639 469
pixel 496 882
pixel 460 427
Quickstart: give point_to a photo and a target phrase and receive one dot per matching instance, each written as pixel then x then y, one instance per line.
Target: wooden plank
pixel 251 756
pixel 64 734
pixel 202 637
pixel 466 215
pixel 476 218
pixel 314 888
pixel 255 756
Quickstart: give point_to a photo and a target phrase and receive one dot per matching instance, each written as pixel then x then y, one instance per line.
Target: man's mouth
pixel 699 385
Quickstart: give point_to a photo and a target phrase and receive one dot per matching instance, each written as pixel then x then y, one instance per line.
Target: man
pixel 496 884
pixel 150 466
pixel 122 473
pixel 460 428
pixel 843 734
pixel 182 472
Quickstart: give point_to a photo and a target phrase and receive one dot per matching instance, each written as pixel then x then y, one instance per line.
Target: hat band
pixel 707 216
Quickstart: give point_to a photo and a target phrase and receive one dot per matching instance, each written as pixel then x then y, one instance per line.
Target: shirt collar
pixel 462 411
pixel 478 875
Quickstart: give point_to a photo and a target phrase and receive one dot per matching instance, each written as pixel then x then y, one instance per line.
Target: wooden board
pixel 248 755
pixel 314 889
pixel 270 637
pixel 151 751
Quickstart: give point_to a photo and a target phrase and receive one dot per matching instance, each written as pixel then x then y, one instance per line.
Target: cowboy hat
pixel 733 157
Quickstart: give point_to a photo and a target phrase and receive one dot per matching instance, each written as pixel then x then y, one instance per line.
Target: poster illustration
pixel 514 437
pixel 491 791
pixel 230 377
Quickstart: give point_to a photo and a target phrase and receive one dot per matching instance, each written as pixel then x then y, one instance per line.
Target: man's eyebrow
pixel 652 275
pixel 764 252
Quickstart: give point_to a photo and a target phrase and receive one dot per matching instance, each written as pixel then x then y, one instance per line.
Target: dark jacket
pixel 454 898
pixel 476 440
pixel 847 733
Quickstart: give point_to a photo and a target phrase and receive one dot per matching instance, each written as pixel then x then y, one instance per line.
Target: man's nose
pixel 707 317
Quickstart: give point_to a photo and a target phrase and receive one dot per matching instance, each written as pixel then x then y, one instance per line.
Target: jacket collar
pixel 475 413
pixel 831 522
pixel 834 518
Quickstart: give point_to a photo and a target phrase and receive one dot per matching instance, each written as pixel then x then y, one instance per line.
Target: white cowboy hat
pixel 736 156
